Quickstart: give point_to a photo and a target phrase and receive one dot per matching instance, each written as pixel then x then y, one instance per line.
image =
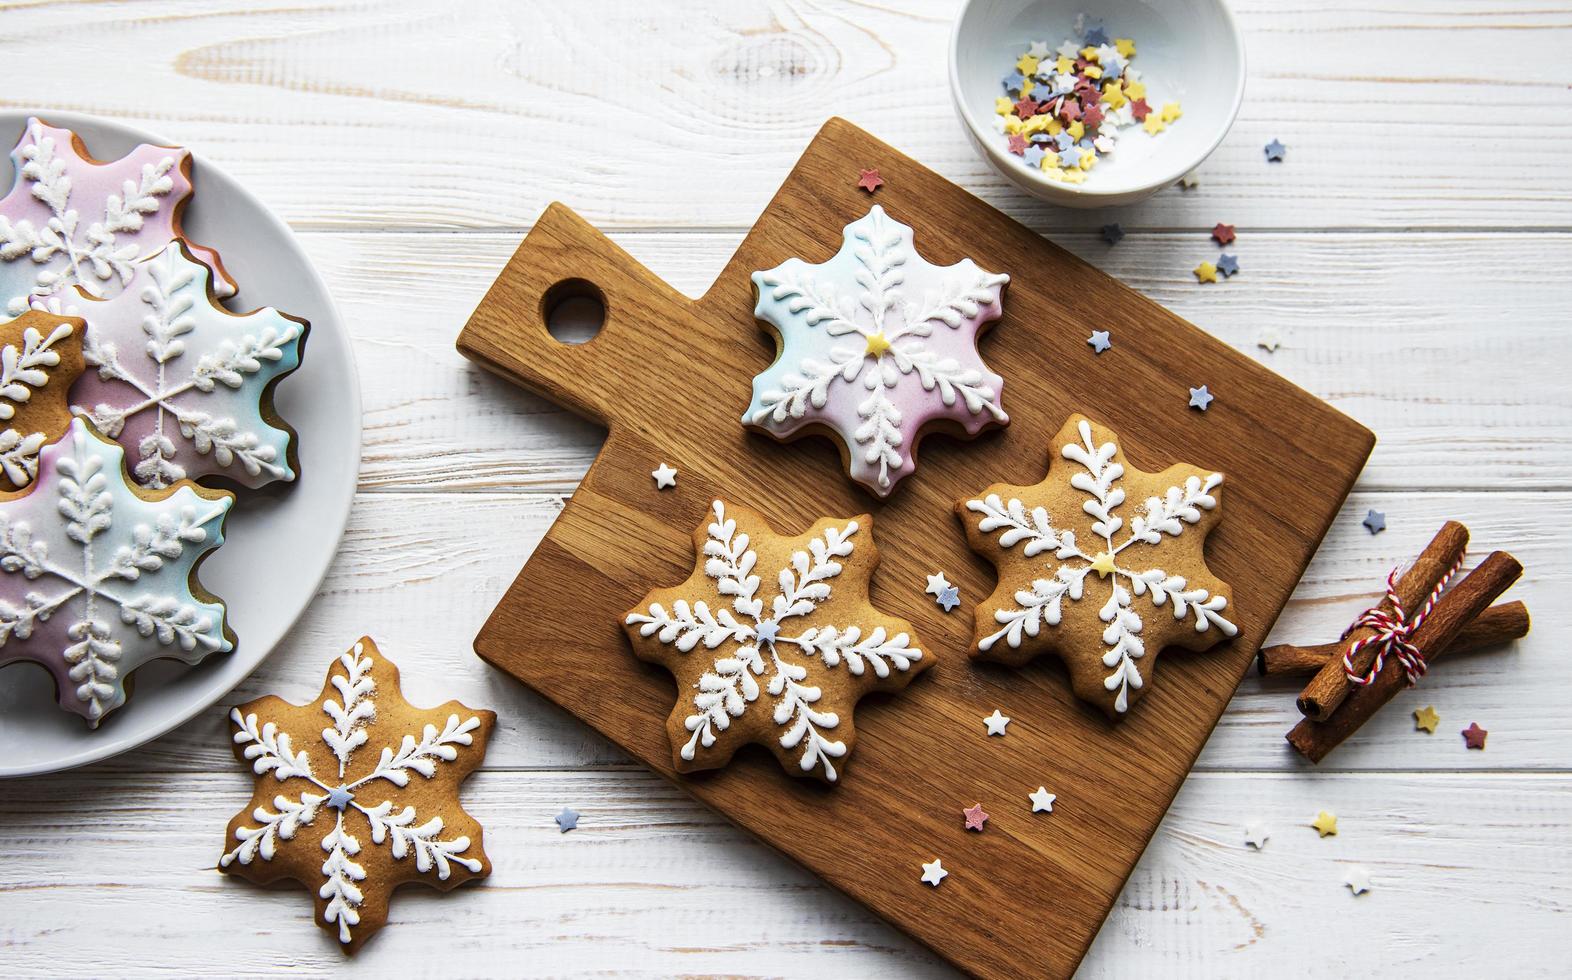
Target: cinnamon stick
pixel 1462 603
pixel 1330 685
pixel 1501 623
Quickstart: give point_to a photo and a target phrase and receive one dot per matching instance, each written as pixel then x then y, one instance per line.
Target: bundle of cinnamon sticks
pixel 1460 619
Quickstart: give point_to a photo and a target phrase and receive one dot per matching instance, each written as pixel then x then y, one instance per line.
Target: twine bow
pixel 1392 631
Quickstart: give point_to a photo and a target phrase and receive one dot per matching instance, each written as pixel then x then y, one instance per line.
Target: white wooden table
pixel 1417 267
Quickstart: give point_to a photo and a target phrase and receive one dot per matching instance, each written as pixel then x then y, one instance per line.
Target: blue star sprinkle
pixel 567 820
pixel 1200 398
pixel 1063 140
pixel 767 631
pixel 1375 521
pixel 1275 151
pixel 1070 156
pixel 950 598
pixel 1227 264
pixel 1113 234
pixel 1013 83
pixel 1033 156
pixel 340 798
pixel 1096 37
pixel 1099 341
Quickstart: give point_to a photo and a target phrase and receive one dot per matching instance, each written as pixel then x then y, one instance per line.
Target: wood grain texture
pixel 324 109
pixel 647 376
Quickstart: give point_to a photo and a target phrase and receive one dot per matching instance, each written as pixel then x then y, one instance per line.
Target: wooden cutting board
pixel 669 378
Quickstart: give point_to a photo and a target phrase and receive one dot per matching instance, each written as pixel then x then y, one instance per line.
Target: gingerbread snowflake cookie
pixel 357 793
pixel 40 357
pixel 98 577
pixel 876 345
pixel 183 383
pixel 1103 585
pixel 772 640
pixel 70 220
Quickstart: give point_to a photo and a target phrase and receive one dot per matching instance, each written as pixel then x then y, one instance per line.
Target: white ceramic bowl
pixel 1188 51
pixel 278 542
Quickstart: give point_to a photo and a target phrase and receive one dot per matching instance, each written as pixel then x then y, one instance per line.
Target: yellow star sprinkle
pixel 1064 65
pixel 1125 46
pixel 1205 272
pixel 1135 90
pixel 1088 159
pixel 1089 53
pixel 1003 106
pixel 1054 127
pixel 1103 564
pixel 1171 111
pixel 1426 718
pixel 1076 130
pixel 1026 87
pixel 1325 824
pixel 1052 173
pixel 1012 124
pixel 878 344
pixel 1154 124
pixel 1027 65
pixel 1075 176
pixel 1037 124
pixel 1092 71
pixel 1113 95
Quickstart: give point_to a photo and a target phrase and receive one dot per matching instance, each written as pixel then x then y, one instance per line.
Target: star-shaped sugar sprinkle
pixel 357 793
pixel 1201 398
pixel 869 180
pixel 1357 879
pixel 1069 50
pixel 950 598
pixel 937 583
pixel 1275 151
pixel 1375 521
pixel 1070 156
pixel 1017 144
pixel 1269 337
pixel 996 723
pixel 933 872
pixel 1038 51
pixel 665 476
pixel 1034 155
pixel 1206 272
pixel 1190 179
pixel 1223 234
pixel 1096 37
pixel 1113 234
pixel 1474 736
pixel 1099 341
pixel 1255 834
pixel 1227 264
pixel 1325 824
pixel 1426 719
pixel 567 820
pixel 1139 109
pixel 975 817
pixel 1042 800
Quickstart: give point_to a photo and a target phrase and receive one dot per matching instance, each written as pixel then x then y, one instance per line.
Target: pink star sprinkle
pixel 869 180
pixel 975 817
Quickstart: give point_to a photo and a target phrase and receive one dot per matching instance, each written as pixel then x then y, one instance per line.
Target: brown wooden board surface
pixel 669 377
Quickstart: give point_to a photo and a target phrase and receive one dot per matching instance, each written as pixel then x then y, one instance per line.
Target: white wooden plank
pixel 415 114
pixel 651 884
pixel 421 573
pixel 1396 330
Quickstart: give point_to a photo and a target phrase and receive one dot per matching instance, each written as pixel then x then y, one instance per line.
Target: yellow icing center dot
pixel 877 345
pixel 1103 564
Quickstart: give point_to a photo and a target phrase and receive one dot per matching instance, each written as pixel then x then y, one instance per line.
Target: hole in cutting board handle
pixel 574 311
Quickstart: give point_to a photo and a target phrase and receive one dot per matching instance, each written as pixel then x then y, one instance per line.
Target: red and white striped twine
pixel 1392 630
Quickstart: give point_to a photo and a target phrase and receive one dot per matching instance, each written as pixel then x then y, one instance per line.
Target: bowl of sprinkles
pixel 1096 106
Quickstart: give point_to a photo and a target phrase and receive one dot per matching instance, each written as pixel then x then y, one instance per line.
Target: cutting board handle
pixel 564 257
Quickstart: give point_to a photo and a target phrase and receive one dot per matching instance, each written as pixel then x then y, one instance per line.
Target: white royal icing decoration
pixel 180 380
pixel 272 751
pixel 753 641
pixel 21 370
pixel 95 580
pixel 877 343
pixel 1164 517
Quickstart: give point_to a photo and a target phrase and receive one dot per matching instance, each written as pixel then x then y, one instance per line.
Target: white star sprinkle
pixel 1357 880
pixel 1042 800
pixel 1190 179
pixel 937 583
pixel 1255 834
pixel 933 872
pixel 1038 50
pixel 996 723
pixel 665 476
pixel 1269 338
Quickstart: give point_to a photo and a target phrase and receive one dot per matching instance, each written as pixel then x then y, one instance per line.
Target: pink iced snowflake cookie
pixel 70 220
pixel 876 345
pixel 182 383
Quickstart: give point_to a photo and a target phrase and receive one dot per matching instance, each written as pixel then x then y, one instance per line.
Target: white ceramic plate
pixel 277 545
